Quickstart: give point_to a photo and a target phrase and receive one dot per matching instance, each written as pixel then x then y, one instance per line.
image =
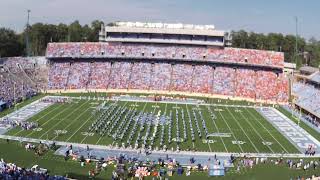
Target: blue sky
pixel 260 15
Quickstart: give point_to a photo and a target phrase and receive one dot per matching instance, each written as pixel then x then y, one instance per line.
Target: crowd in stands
pixel 237 82
pixel 312 121
pixel 140 76
pixel 100 76
pixel 161 76
pixel 58 75
pixel 92 73
pixel 181 79
pixel 271 86
pixel 224 81
pixel 147 51
pixel 202 79
pixel 75 81
pixel 308 118
pixel 245 86
pixel 16 80
pixel 308 96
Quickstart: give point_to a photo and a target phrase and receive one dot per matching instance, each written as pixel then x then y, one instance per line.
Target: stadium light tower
pixel 27 33
pixel 296 46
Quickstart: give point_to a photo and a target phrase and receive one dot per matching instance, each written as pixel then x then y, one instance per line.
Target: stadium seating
pixel 17 77
pixel 140 76
pixel 181 77
pixel 146 67
pixel 224 81
pixel 202 79
pixel 58 75
pixel 308 96
pixel 230 55
pixel 246 83
pixel 99 77
pixel 79 75
pixel 161 76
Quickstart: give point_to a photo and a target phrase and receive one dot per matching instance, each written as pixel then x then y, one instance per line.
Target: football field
pixel 158 125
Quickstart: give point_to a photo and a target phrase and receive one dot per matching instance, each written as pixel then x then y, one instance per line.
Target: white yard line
pixel 154 132
pixel 177 127
pixel 144 107
pixel 209 147
pixel 206 126
pixel 269 132
pixel 254 129
pixel 142 137
pixel 165 109
pixel 120 121
pixel 85 123
pixel 51 119
pixel 79 128
pixel 75 120
pixel 103 136
pixel 201 128
pixel 190 120
pixel 155 107
pixel 234 137
pixel 225 147
pixel 37 120
pixel 62 119
pixel 243 130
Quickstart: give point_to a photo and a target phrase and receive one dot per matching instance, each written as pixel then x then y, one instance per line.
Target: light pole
pixel 296 45
pixel 27 34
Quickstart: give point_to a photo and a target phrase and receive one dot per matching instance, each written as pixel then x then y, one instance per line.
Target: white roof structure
pixel 161 29
pixel 164 28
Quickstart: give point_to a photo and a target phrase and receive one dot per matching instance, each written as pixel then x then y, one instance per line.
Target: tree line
pixel 307 52
pixel 40 34
pixel 14 44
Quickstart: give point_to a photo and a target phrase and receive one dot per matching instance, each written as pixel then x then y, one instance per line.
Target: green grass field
pixel 243 123
pixel 15 152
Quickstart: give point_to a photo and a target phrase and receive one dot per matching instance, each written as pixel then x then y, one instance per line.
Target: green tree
pixel 10 43
pixel 95 26
pixel 239 39
pixel 313 49
pixel 275 41
pixel 75 32
pixel 278 42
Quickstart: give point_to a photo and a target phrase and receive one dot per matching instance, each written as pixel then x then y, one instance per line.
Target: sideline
pixel 171 153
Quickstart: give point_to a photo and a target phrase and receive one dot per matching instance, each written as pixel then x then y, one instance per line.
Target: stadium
pixel 163 90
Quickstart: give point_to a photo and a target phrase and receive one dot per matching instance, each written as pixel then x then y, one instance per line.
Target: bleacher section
pixel 133 71
pixel 19 79
pixel 159 51
pixel 308 97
